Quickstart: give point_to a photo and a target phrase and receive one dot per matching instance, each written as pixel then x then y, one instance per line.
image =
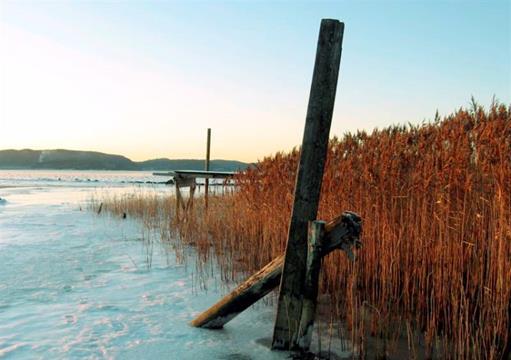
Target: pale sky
pixel 145 79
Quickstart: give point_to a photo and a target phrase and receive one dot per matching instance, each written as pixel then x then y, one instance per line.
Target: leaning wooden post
pixel 308 182
pixel 310 291
pixel 206 185
pixel 246 294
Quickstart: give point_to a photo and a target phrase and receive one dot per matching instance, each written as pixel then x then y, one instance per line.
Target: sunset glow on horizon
pixel 145 80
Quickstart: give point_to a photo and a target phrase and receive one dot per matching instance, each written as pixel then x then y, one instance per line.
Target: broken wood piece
pixel 344 229
pixel 310 288
pixel 246 294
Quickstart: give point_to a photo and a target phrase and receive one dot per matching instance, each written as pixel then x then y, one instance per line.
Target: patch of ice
pixel 69 289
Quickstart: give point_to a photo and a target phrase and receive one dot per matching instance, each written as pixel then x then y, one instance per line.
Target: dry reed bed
pixel 436 204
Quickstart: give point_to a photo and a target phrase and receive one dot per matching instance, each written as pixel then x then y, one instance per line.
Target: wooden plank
pixel 345 229
pixel 308 182
pixel 168 173
pixel 251 290
pixel 198 174
pixel 310 291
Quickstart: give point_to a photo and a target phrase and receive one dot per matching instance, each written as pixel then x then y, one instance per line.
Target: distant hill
pixel 191 164
pixel 92 160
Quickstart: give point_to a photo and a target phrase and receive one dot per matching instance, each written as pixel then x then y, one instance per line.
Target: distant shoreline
pixel 61 159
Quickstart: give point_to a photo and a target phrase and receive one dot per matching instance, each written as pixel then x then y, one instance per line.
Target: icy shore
pixel 75 285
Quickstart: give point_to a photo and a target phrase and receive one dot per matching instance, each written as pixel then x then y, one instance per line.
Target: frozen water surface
pixel 75 285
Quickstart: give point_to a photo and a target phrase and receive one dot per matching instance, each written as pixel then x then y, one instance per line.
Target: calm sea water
pixel 76 178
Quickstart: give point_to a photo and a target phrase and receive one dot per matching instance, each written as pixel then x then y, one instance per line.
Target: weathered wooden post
pixel 308 182
pixel 181 181
pixel 179 199
pixel 206 185
pixel 316 240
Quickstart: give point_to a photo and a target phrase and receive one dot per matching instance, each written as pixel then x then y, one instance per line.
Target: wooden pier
pixel 188 179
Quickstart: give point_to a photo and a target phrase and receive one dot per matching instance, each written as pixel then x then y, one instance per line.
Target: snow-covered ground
pixel 77 285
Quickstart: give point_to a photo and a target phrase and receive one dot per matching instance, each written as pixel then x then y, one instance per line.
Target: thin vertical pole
pixel 308 182
pixel 206 187
pixel 178 199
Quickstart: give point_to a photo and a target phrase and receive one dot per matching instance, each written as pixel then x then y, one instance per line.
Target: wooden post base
pixel 343 231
